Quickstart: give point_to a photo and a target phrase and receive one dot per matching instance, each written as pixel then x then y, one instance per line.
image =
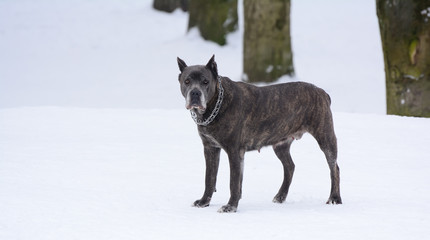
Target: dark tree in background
pixel 267 42
pixel 170 5
pixel 214 18
pixel 405 34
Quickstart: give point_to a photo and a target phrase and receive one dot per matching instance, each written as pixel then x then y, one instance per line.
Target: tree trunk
pixel 267 43
pixel 214 18
pixel 405 34
pixel 170 5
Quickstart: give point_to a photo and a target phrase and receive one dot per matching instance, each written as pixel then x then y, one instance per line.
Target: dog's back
pixel 279 111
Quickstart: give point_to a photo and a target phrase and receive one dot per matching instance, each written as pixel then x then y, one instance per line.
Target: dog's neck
pixel 211 104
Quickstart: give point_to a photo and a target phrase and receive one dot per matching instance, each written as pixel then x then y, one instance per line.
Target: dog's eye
pixel 205 82
pixel 187 81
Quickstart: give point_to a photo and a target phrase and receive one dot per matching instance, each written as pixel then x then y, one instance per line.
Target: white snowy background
pixel 95 142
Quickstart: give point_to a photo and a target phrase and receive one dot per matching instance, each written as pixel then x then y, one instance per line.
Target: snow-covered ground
pixel 95 142
pixel 73 173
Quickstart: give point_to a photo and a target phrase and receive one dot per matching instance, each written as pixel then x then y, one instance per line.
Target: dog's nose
pixel 195 93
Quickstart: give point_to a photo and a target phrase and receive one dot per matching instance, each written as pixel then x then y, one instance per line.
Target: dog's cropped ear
pixel 182 65
pixel 212 66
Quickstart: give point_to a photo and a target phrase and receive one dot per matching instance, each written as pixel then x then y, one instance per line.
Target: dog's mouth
pixel 197 107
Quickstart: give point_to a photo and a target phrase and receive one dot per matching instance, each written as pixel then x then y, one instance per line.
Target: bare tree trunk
pixel 405 34
pixel 170 5
pixel 214 18
pixel 267 41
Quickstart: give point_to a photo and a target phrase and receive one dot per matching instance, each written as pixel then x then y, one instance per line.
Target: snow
pixel 95 142
pixel 74 173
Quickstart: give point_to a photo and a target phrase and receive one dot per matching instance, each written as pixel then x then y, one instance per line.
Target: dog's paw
pixel 334 200
pixel 227 209
pixel 201 203
pixel 279 198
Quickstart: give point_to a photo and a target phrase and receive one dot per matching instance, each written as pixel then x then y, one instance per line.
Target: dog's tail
pixel 328 98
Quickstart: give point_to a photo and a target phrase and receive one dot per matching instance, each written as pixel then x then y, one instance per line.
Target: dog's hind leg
pixel 282 151
pixel 328 144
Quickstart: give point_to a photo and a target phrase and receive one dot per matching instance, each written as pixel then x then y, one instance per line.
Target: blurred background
pixel 122 54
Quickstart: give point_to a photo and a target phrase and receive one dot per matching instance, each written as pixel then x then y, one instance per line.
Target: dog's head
pixel 198 84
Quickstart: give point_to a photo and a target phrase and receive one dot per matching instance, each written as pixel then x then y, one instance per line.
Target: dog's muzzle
pixel 195 100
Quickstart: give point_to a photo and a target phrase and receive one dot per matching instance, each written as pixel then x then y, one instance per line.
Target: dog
pixel 239 117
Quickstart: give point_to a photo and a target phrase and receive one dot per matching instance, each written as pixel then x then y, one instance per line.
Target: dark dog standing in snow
pixel 239 117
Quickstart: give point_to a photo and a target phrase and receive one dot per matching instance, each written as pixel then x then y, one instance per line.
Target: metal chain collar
pixel 214 112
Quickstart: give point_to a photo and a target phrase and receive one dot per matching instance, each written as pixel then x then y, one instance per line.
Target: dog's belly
pixel 252 145
pixel 269 138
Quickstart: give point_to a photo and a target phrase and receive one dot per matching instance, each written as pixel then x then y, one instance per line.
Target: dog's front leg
pixel 236 177
pixel 212 163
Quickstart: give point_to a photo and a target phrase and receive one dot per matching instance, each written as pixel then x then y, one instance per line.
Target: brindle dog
pixel 239 117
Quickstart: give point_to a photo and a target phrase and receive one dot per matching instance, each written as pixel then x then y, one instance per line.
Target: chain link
pixel 214 112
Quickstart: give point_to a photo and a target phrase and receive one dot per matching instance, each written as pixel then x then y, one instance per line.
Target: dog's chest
pixel 210 139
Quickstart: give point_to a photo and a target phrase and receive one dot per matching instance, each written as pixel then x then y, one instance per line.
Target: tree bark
pixel 267 42
pixel 405 35
pixel 170 5
pixel 214 18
